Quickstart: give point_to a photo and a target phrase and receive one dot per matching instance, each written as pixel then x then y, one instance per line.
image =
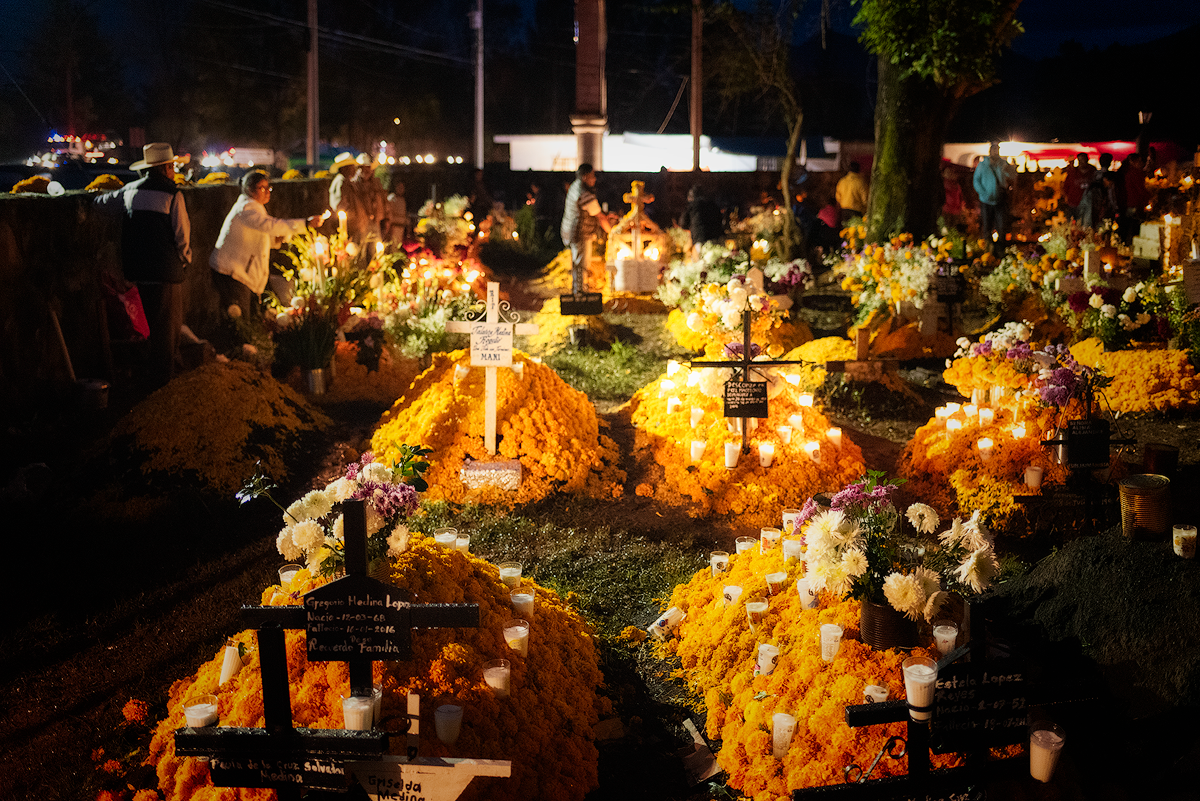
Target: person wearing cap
pixel 155 250
pixel 241 259
pixel 580 218
pixel 347 194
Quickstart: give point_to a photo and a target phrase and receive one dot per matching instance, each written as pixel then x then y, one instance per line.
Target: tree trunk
pixel 793 237
pixel 911 119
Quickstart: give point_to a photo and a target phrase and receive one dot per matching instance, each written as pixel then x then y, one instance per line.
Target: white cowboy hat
pixel 342 160
pixel 154 154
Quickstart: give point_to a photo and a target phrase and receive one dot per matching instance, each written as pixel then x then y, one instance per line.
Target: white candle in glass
pixel 813 449
pixel 732 451
pixel 987 416
pixel 797 422
pixel 952 408
pixel 985 448
pixel 806 399
pixel 953 424
pixel 835 437
pixel 785 434
pixel 940 414
pixel 1018 431
pixel 698 446
pixel 673 404
pixel 665 387
pixel 766 453
pixel 970 410
pixel 672 367
pixel 697 416
pixel 1033 476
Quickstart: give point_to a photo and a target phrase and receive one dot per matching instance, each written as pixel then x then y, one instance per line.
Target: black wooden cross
pixel 977 705
pixel 745 398
pixel 355 619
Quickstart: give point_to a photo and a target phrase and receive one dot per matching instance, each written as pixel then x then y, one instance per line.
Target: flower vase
pixel 882 627
pixel 318 382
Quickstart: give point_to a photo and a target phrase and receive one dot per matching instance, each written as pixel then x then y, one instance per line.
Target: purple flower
pixel 733 350
pixel 389 500
pixel 1020 351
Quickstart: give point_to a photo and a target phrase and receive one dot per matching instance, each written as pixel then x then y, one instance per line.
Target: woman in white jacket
pixel 241 259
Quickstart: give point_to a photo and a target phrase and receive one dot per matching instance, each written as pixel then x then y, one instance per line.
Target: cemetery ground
pixel 104 611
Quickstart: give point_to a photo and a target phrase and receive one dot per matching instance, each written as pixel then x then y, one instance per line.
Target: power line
pixel 342 37
pixel 27 100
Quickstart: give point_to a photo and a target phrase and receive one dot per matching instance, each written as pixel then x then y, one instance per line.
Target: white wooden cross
pixel 491 347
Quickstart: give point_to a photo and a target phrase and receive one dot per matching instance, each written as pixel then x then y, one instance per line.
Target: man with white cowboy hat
pixel 346 194
pixel 155 250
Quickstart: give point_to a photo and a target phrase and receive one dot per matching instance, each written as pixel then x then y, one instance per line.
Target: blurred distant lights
pixel 427 158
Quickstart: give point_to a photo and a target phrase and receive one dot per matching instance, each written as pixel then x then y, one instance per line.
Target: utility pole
pixel 694 106
pixel 313 134
pixel 477 25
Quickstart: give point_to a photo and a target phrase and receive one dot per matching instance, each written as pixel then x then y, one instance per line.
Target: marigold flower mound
pixel 825 349
pixel 557 274
pixel 717 649
pixel 545 728
pixel 895 340
pixel 541 421
pixel 208 428
pixel 945 469
pixel 104 183
pixel 38 184
pixel 355 382
pixel 1143 380
pixel 553 334
pixel 755 494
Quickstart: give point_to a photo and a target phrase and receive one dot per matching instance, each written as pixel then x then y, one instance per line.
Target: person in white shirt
pixel 241 259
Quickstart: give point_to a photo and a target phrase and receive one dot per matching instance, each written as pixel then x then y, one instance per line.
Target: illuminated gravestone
pixel 355 619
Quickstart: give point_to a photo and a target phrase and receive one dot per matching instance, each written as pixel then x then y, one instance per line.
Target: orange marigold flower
pixel 135 711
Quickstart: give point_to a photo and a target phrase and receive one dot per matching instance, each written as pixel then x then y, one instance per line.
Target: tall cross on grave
pixel 354 619
pixel 745 398
pixel 492 347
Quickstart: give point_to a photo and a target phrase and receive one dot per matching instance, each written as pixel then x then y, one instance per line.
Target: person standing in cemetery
pixel 346 194
pixel 702 217
pixel 155 252
pixel 580 219
pixel 852 193
pixel 241 258
pixel 994 178
pixel 397 212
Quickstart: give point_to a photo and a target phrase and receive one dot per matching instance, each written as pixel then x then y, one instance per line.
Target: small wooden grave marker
pixel 352 619
pixel 397 779
pixel 491 347
pixel 742 401
pixel 862 367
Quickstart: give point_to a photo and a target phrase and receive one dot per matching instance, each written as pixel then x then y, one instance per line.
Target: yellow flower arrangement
pixel 717 649
pixel 37 184
pixel 824 350
pixel 206 427
pixel 779 332
pixel 104 183
pixel 880 276
pixel 214 178
pixel 549 427
pixel 291 175
pixel 552 334
pixel 1143 380
pixel 545 727
pixel 662 444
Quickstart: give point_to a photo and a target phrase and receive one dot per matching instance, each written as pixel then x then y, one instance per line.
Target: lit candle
pixel 835 437
pixel 672 367
pixel 1018 431
pixel 693 378
pixel 766 453
pixel 952 408
pixel 806 399
pixel 953 424
pixel 697 416
pixel 985 448
pixel 732 451
pixel 785 434
pixel 460 372
pixel 1033 476
pixel 987 416
pixel 792 379
pixel 813 449
pixel 797 422
pixel 673 405
pixel 379 246
pixel 666 386
pixel 342 223
pixel 970 410
pixel 698 446
pixel 940 414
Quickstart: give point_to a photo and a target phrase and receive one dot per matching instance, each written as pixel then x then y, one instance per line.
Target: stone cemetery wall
pixel 54 252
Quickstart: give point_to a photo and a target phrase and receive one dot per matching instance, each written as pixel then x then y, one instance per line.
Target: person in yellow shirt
pixel 852 193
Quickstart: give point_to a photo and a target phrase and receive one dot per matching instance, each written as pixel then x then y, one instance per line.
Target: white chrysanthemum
pixel 296 513
pixel 1096 301
pixel 933 606
pixel 695 322
pixel 731 318
pixel 837 580
pixel 978 570
pixel 828 522
pixel 738 298
pixel 308 535
pixel 313 563
pixel 397 541
pixel 290 550
pixel 338 529
pixel 1130 295
pixel 712 381
pixel 904 594
pixel 375 521
pixel 952 535
pixel 316 504
pixel 376 471
pixel 341 489
pixel 930 581
pixel 854 562
pixel 815 574
pixel 923 518
pixel 1108 310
